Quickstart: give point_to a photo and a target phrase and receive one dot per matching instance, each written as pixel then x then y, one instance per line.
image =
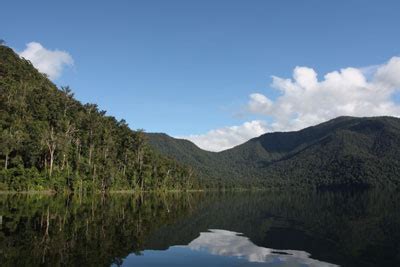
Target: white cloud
pixel 227 137
pixel 50 62
pixel 304 101
pixel 389 74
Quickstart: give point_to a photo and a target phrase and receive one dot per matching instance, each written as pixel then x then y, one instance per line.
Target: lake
pixel 264 228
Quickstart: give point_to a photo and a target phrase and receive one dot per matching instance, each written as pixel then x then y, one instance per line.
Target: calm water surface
pixel 202 229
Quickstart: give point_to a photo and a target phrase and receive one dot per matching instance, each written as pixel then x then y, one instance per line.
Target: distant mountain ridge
pixel 49 140
pixel 346 151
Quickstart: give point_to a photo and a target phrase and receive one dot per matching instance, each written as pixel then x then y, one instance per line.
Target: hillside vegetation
pixel 49 140
pixel 343 152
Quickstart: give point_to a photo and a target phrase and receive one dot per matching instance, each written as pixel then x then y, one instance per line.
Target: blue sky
pixel 190 67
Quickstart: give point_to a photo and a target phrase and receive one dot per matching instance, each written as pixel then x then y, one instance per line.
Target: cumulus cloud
pixel 50 62
pixel 304 100
pixel 227 137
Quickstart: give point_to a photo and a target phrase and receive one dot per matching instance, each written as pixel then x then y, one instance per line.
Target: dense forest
pixel 49 140
pixel 343 152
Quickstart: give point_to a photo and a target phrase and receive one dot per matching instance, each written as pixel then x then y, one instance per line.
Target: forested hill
pixel 49 140
pixel 343 152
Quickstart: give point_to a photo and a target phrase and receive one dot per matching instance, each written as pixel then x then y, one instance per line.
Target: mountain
pixel 343 152
pixel 49 140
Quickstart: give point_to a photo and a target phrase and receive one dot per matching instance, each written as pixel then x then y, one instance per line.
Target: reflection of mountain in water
pixel 227 243
pixel 350 229
pixel 345 228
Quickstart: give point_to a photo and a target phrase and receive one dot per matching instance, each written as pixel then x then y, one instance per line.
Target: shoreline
pixel 30 192
pixel 130 191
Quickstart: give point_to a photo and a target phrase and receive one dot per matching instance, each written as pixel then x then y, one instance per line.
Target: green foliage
pixel 344 152
pixel 49 140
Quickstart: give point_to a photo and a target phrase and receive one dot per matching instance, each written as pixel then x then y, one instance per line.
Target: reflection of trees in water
pixel 348 228
pixel 351 228
pixel 73 231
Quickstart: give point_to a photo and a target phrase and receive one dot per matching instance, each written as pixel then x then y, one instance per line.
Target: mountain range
pixel 345 151
pixel 50 140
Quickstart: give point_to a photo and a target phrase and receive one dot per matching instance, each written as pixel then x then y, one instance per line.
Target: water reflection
pixel 281 228
pixel 228 243
pixel 222 248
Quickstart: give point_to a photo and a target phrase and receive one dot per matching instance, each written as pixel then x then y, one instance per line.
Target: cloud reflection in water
pixel 227 243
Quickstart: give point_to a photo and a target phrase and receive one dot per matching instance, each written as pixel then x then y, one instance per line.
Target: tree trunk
pixel 94 175
pixel 51 145
pixel 63 162
pixel 6 163
pixel 47 222
pixel 90 153
pixel 125 163
pixel 141 174
pixel 51 162
pixel 166 178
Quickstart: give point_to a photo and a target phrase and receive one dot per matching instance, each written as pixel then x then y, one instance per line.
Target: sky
pixel 216 72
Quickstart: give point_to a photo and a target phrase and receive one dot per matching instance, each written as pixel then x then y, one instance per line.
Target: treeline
pixel 49 140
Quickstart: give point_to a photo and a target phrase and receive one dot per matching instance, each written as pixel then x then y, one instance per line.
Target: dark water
pixel 202 229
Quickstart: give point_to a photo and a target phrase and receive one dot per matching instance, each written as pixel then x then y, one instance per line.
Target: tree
pixel 47 135
pixel 10 140
pixel 67 102
pixel 50 140
pixel 140 140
